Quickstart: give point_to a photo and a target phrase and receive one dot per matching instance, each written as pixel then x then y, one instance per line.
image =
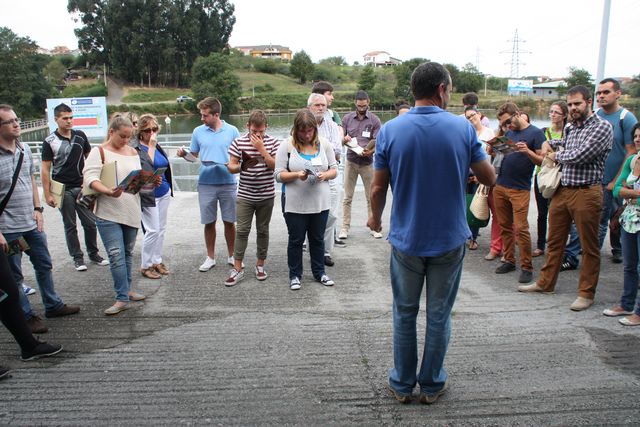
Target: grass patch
pixel 154 94
pixel 282 85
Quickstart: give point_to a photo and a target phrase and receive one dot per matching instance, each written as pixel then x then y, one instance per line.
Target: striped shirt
pixel 586 148
pixel 330 131
pixel 18 214
pixel 256 183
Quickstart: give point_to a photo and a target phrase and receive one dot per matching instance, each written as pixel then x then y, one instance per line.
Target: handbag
pixel 549 177
pixel 88 201
pixel 479 204
pixel 471 219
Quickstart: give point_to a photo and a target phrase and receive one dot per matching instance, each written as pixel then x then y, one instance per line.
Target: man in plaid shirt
pixel 586 144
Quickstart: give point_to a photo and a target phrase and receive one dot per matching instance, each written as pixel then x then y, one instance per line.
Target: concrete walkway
pixel 196 352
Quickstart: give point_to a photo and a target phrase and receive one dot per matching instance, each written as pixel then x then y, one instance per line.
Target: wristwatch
pixel 39 209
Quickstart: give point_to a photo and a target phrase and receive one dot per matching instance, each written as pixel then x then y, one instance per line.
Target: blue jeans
pixel 299 226
pixel 630 257
pixel 119 240
pixel 408 275
pixel 41 261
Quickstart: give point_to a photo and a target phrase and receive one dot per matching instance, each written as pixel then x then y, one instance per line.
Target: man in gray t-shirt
pixel 22 219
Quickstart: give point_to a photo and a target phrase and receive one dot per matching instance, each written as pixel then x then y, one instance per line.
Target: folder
pixel 108 177
pixel 57 191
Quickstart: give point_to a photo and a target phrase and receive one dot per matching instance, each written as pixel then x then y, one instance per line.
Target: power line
pixel 515 55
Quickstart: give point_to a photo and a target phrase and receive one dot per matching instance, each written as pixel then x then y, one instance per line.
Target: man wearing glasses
pixel 216 185
pixel 22 218
pixel 513 189
pixel 63 154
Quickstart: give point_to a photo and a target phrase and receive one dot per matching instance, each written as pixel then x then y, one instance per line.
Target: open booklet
pixel 140 180
pixel 503 145
pixel 188 156
pixel 353 146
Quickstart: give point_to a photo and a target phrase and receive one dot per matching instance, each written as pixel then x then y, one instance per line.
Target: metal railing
pixel 34 124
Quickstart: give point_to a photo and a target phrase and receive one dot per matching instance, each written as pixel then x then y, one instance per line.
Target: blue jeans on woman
pixel 630 243
pixel 119 240
pixel 300 225
pixel 408 276
pixel 38 253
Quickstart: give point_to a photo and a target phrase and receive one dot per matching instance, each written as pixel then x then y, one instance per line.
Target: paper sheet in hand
pixel 188 156
pixel 353 146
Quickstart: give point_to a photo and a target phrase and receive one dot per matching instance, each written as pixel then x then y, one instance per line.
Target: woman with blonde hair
pixel 305 162
pixel 118 214
pixel 155 202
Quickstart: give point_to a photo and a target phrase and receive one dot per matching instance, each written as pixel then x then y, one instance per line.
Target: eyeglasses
pixel 558 113
pixel 149 130
pixel 17 121
pixel 508 121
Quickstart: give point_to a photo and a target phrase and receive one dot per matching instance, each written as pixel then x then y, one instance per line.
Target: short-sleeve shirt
pixel 18 214
pixel 621 138
pixel 517 169
pixel 257 182
pixel 213 148
pixel 364 130
pixel 428 153
pixel 66 156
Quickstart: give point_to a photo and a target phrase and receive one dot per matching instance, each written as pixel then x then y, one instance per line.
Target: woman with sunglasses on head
pixel 118 213
pixel 155 202
pixel 558 113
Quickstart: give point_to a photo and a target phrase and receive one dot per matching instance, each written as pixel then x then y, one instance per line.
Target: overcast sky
pixel 554 34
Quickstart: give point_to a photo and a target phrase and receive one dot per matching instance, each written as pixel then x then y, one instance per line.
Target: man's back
pixel 428 153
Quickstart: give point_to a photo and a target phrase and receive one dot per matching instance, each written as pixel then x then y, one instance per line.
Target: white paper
pixel 188 156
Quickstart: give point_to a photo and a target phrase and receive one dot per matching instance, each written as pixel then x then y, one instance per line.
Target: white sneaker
pixel 295 284
pixel 376 234
pixel 325 280
pixel 343 234
pixel 207 264
pixel 231 261
pixel 28 290
pixel 234 277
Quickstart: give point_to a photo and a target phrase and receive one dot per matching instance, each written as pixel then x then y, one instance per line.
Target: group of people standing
pixel 427 249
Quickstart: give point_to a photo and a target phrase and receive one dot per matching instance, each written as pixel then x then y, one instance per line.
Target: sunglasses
pixel 508 121
pixel 149 130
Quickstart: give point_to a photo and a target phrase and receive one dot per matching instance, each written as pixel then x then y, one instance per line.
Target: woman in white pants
pixel 155 201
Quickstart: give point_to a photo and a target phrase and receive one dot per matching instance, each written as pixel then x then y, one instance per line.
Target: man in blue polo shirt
pixel 210 142
pixel 425 156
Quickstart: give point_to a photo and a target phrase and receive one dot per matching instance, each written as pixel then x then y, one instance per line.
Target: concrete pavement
pixel 196 352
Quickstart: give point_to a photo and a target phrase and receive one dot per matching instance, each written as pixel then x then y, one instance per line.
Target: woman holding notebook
pixel 118 213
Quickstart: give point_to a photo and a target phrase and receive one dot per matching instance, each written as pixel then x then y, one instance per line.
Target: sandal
pixel 537 253
pixel 626 322
pixel 150 273
pixel 473 245
pixel 161 269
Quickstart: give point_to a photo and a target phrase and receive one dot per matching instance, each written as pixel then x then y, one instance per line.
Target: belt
pixel 578 187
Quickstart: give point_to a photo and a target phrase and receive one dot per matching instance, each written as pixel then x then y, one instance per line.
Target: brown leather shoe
pixel 161 268
pixel 150 273
pixel 65 310
pixel 37 326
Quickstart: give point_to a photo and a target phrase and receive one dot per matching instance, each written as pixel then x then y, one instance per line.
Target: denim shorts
pixel 210 195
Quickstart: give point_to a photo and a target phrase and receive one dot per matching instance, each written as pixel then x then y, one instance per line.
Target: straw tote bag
pixel 479 205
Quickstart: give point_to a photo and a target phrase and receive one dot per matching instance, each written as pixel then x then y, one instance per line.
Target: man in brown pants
pixel 586 143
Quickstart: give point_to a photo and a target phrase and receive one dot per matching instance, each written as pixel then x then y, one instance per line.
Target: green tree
pixel 212 76
pixel 152 40
pixel 301 66
pixel 24 85
pixel 367 80
pixel 454 72
pixel 634 87
pixel 55 71
pixel 469 79
pixel 336 61
pixel 577 76
pixel 403 77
